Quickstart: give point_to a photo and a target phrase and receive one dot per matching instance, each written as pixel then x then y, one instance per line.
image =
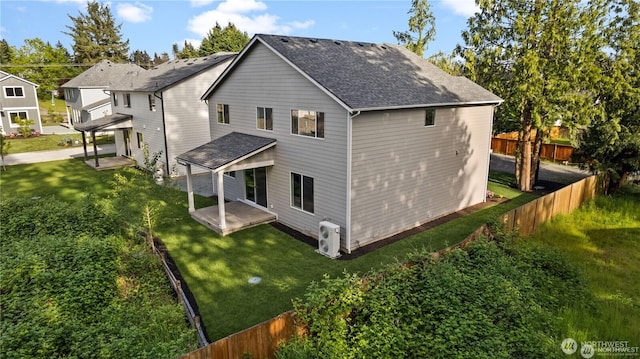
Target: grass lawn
pixel 602 239
pixel 217 269
pixel 50 142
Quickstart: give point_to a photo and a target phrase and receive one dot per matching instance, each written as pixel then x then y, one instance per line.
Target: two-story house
pixel 87 95
pixel 19 99
pixel 370 138
pixel 159 110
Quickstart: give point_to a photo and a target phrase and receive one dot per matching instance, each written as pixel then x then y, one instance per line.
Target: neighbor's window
pixel 231 174
pixel 140 139
pixel 307 123
pixel 16 91
pixel 302 192
pixel 127 99
pixel 223 113
pixel 115 99
pixel 152 102
pixel 264 117
pixel 430 117
pixel 13 114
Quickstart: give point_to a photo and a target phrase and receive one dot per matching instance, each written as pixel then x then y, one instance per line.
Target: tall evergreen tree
pixel 535 55
pixel 188 51
pixel 611 144
pixel 227 39
pixel 158 59
pixel 141 58
pixel 96 36
pixel 6 52
pixel 422 23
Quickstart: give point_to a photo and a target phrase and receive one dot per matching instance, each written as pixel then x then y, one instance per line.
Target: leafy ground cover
pixel 577 277
pixel 72 286
pixel 217 269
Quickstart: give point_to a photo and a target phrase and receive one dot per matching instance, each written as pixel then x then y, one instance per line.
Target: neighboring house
pixel 87 95
pixel 371 138
pixel 160 108
pixel 19 98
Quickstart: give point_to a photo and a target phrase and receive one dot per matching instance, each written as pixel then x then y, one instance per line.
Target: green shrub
pixel 73 287
pixel 488 301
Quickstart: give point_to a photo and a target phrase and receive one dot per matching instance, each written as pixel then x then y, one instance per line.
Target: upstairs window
pixel 16 91
pixel 223 113
pixel 264 117
pixel 115 99
pixel 152 102
pixel 430 117
pixel 307 123
pixel 127 100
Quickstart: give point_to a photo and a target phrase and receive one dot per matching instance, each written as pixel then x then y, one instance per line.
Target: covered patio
pixel 115 121
pixel 232 152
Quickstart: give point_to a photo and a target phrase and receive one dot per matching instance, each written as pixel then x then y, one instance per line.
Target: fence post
pixel 179 291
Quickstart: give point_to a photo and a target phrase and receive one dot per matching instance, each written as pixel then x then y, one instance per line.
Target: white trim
pixel 4 91
pixel 316 123
pixel 435 112
pixel 302 194
pixel 265 119
pixel 251 154
pixel 8 75
pixel 444 104
pixel 349 184
pixel 228 114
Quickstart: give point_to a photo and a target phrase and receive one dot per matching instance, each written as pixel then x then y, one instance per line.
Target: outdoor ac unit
pixel 329 239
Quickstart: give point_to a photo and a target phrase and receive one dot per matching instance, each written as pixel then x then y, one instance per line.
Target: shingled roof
pixel 169 73
pixel 367 76
pixel 225 150
pixel 103 74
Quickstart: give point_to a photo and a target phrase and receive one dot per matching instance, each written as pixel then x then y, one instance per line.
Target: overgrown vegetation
pixel 73 286
pixel 491 300
pixel 578 277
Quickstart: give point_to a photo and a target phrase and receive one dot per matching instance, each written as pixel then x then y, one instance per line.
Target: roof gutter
pixel 446 104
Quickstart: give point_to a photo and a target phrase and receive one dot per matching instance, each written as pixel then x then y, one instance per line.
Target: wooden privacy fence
pixel 259 341
pixel 262 340
pixel 526 218
pixel 549 151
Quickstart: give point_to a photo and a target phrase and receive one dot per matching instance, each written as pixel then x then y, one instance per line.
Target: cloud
pixel 247 15
pixel 137 12
pixel 462 7
pixel 198 3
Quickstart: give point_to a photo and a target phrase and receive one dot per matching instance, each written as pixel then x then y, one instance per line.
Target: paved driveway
pixel 551 172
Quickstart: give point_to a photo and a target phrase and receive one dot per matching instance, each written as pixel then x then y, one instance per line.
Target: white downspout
pixel 350 117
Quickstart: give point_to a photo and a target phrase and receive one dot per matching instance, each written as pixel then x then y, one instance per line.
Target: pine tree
pixel 6 52
pixel 141 58
pixel 227 39
pixel 423 24
pixel 188 51
pixel 536 55
pixel 610 145
pixel 96 36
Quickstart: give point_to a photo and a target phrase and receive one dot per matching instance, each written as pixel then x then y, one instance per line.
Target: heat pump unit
pixel 329 239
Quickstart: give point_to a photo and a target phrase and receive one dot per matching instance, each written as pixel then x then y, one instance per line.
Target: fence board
pixel 544 209
pixel 548 151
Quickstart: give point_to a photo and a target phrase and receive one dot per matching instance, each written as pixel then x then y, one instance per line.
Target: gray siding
pixel 404 174
pixel 28 103
pixel 187 117
pixel 263 79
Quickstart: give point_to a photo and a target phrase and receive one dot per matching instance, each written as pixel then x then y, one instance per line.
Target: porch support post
pixel 84 146
pixel 221 211
pixel 192 207
pixel 95 148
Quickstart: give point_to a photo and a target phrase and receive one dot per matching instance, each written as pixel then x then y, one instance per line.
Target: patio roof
pixel 226 151
pixel 116 120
